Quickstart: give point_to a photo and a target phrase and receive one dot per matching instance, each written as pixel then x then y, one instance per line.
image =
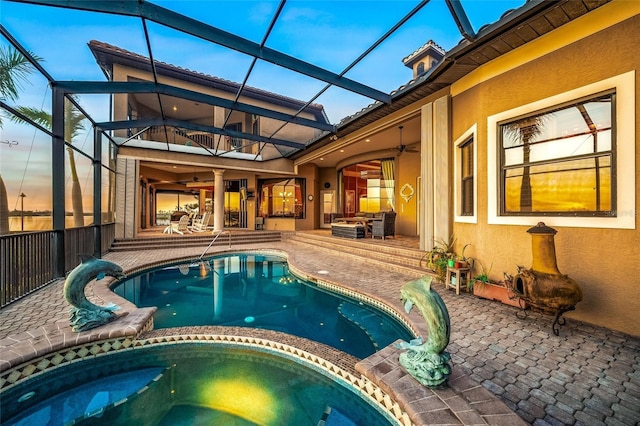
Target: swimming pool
pixel 190 383
pixel 257 290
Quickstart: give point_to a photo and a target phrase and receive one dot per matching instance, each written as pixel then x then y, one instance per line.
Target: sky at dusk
pixel 328 34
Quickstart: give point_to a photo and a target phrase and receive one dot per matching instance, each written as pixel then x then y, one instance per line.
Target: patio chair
pixel 181 226
pixel 384 227
pixel 202 224
pixel 334 217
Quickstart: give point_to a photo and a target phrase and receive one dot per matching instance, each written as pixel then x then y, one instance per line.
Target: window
pixel 560 162
pixel 282 198
pixel 369 187
pixel 609 204
pixel 420 68
pixel 466 186
pixel 466 177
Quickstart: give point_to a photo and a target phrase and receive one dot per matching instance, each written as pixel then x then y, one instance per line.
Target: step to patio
pixel 393 258
pixel 190 240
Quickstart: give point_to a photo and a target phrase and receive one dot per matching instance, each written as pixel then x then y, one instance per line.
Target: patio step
pixel 394 258
pixel 199 240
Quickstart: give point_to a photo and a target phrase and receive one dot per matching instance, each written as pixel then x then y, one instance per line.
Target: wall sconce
pixel 310 197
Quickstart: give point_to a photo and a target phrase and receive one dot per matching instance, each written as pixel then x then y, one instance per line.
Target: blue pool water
pixel 187 384
pixel 257 290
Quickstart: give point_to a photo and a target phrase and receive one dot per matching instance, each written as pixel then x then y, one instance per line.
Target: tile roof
pixel 106 55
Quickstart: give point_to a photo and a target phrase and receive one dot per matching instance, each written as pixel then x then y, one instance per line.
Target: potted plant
pixel 482 286
pixel 438 257
pixel 462 261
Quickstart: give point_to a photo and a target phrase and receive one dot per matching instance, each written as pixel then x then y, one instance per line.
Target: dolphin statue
pixel 85 315
pixel 427 362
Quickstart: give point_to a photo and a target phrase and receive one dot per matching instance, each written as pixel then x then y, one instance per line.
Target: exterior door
pixel 328 198
pixel 235 204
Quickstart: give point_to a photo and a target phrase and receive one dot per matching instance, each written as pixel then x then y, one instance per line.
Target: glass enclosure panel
pixel 108 196
pixel 78 189
pixel 25 170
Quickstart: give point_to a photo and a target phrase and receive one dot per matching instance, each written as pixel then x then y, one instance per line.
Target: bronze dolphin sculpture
pixel 427 362
pixel 85 315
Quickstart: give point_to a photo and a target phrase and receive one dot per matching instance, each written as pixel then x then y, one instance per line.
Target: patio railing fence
pixel 28 259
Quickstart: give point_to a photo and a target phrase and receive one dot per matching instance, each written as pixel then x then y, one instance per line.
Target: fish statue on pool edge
pixel 85 315
pixel 427 362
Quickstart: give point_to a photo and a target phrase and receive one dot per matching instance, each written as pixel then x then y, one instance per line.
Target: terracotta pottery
pixel 494 292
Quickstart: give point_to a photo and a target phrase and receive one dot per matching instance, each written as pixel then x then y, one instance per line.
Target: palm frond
pixel 43 118
pixel 14 69
pixel 74 121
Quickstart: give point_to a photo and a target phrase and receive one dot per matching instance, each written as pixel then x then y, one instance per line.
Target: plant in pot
pixel 482 286
pixel 461 261
pixel 438 257
pixel 479 281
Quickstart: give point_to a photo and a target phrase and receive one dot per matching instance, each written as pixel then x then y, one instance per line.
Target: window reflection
pixel 369 187
pixel 560 161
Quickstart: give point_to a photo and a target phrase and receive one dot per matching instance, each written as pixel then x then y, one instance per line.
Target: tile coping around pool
pixel 361 385
pixel 381 377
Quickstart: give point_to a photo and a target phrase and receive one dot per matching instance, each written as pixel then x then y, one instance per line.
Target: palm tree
pixel 524 131
pixel 4 209
pixel 14 69
pixel 73 124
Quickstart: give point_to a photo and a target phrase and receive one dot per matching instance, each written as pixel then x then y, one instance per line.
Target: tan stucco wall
pixel 605 262
pixel 328 175
pixel 407 172
pixel 311 174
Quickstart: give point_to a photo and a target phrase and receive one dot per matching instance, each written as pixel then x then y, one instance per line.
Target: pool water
pixel 188 384
pixel 256 290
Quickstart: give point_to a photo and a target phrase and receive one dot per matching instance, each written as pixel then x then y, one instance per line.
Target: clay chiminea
pixel 543 286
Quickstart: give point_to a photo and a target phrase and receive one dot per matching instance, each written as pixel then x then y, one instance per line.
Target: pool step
pixel 333 417
pixel 394 258
pixel 361 318
pixel 197 240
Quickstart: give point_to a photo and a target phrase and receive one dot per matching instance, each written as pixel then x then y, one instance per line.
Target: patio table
pixel 364 221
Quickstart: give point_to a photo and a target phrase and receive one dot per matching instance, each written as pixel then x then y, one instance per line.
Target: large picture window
pixel 282 198
pixel 560 161
pixel 369 187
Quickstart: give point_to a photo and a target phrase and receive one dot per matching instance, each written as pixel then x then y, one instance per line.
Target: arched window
pixel 420 68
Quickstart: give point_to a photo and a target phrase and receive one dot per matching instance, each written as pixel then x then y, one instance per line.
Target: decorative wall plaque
pixel 406 192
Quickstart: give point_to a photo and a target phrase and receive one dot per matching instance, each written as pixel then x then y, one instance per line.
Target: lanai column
pixel 218 200
pixel 435 209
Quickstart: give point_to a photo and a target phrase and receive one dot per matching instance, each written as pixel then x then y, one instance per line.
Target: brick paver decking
pixel 585 376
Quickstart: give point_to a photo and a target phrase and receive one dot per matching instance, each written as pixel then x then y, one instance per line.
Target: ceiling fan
pixel 404 148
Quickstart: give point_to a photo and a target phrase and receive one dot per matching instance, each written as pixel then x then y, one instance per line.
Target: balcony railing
pixel 28 259
pixel 195 138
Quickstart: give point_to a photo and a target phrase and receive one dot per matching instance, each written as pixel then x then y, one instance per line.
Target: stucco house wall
pixel 604 261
